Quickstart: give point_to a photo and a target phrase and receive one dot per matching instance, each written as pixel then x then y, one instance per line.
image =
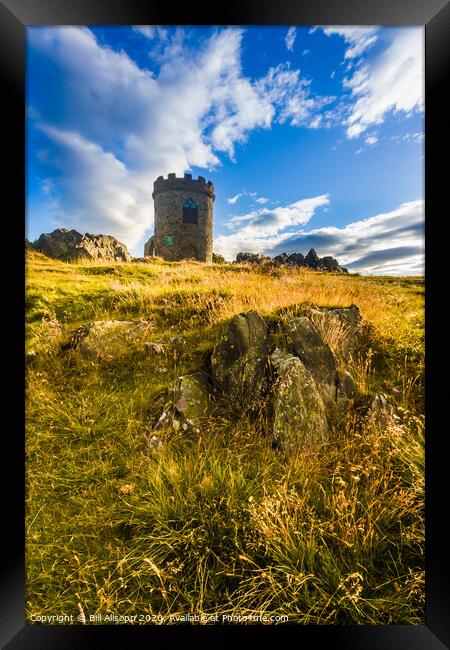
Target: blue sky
pixel 312 135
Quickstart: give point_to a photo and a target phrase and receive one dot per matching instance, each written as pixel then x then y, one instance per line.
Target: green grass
pixel 216 522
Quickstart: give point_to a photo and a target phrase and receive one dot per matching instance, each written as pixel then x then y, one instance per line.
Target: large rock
pixel 68 245
pixel 312 259
pixel 110 339
pixel 295 259
pixel 304 340
pixel 282 258
pixel 189 403
pixel 299 414
pixel 329 263
pixel 343 325
pixel 238 361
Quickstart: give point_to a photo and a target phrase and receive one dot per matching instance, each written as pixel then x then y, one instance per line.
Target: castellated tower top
pixel 185 182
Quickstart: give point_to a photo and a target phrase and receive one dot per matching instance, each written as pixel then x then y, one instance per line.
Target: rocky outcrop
pixel 311 260
pixel 70 245
pixel 290 375
pixel 238 361
pixel 299 413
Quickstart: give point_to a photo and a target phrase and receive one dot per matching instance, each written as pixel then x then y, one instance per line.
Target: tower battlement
pixel 185 182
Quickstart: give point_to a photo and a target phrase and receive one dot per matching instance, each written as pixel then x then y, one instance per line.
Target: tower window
pixel 190 211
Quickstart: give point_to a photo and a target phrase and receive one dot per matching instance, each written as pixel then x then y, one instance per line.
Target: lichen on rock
pixel 304 340
pixel 190 399
pixel 110 339
pixel 299 413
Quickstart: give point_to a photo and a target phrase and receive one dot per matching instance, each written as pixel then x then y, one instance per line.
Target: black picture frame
pixel 15 16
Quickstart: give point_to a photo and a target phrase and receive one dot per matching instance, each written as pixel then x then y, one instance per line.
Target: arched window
pixel 190 211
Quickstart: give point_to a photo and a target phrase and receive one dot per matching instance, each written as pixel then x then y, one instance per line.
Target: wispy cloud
pixel 152 31
pixel 290 38
pixel 100 193
pixel 418 137
pixel 232 199
pixel 392 81
pixel 359 39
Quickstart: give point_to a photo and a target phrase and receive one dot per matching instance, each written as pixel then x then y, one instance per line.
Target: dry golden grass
pixel 217 523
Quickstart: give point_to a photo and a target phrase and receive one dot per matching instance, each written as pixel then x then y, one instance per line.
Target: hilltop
pixel 217 521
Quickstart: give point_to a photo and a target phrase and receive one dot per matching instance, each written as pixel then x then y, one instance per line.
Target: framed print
pixel 230 422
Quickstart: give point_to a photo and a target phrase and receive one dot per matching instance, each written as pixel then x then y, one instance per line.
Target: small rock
pixel 154 348
pixel 380 412
pixel 154 444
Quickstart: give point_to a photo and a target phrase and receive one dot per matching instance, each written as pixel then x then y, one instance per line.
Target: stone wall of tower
pixel 190 240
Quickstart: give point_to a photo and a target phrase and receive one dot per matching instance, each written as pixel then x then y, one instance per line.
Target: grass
pixel 217 523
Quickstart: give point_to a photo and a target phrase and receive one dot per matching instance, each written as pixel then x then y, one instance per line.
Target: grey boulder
pixel 239 360
pixel 299 413
pixel 343 324
pixel 304 340
pixel 189 403
pixel 110 339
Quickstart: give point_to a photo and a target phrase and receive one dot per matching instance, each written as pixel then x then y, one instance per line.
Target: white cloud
pixel 290 94
pixel 260 229
pixel 305 52
pixel 359 39
pixel 233 199
pixel 387 243
pixel 290 38
pixel 392 81
pixel 418 137
pixel 371 140
pixel 103 195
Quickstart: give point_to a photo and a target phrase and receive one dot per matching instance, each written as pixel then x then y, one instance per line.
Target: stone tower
pixel 183 219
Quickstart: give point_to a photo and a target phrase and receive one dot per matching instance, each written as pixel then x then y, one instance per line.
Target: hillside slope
pixel 216 523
